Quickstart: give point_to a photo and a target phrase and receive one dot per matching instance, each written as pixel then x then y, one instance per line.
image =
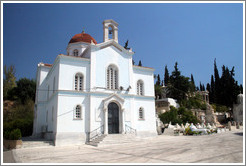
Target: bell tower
pixel 110 30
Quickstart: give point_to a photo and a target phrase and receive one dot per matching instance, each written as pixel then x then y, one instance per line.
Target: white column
pixel 123 120
pixel 106 121
pixel 116 35
pixel 105 37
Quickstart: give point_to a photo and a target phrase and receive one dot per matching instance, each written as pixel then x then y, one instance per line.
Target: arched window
pixel 112 77
pixel 140 88
pixel 141 113
pixel 78 112
pixel 78 82
pixel 75 52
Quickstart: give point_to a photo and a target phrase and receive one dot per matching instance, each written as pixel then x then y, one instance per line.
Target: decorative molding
pixel 113 98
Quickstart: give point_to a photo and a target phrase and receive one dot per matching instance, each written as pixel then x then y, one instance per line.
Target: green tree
pixel 180 115
pixel 8 80
pixel 170 116
pixel 192 86
pixel 140 63
pixel 25 89
pixel 200 86
pixel 159 92
pixel 217 88
pixel 212 89
pixel 179 85
pixel 158 82
pixel 166 76
pixel 208 87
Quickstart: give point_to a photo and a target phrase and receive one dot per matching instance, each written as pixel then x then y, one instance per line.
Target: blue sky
pixel 160 34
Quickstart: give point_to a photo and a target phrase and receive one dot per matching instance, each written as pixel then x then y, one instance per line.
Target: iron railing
pixel 130 130
pixel 94 133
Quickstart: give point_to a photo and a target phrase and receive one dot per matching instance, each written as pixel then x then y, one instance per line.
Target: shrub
pixel 220 108
pixel 203 106
pixel 6 134
pixel 24 125
pixel 15 134
pixel 12 135
pixel 188 131
pixel 170 116
pixel 180 115
pixel 188 116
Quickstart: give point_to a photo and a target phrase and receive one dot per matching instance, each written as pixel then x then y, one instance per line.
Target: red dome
pixel 82 37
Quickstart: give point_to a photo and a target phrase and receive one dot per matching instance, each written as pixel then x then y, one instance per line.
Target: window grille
pixel 140 88
pixel 112 77
pixel 78 112
pixel 78 82
pixel 75 52
pixel 141 113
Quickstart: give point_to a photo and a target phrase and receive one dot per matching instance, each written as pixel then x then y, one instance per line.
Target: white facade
pixel 73 94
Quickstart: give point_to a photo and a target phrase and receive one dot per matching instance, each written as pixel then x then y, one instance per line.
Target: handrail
pixel 94 133
pixel 130 130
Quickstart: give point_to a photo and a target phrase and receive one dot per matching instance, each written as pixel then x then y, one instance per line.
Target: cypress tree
pixel 140 63
pixel 200 86
pixel 166 76
pixel 158 82
pixel 208 87
pixel 216 84
pixel 212 89
pixel 203 87
pixel 193 86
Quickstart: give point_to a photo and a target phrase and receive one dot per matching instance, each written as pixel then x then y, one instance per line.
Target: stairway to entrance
pixel 30 142
pixel 114 139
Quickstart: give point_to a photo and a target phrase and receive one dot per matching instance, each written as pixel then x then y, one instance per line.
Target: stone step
pixel 116 139
pixel 96 141
pixel 34 144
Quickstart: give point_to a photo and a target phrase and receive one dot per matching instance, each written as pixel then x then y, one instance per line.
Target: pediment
pixel 113 98
pixel 114 44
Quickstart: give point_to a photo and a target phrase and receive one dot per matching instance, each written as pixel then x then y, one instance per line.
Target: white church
pixel 95 87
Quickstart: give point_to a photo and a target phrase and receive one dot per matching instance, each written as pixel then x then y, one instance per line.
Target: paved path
pixel 217 148
pixel 8 156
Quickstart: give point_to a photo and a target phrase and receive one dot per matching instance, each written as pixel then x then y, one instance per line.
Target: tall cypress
pixel 200 86
pixel 192 84
pixel 166 76
pixel 212 89
pixel 208 87
pixel 140 63
pixel 216 84
pixel 158 82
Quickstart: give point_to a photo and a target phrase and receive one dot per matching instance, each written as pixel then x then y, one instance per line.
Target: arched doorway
pixel 113 118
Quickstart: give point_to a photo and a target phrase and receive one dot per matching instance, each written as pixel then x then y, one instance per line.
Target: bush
pixel 6 134
pixel 189 132
pixel 220 108
pixel 194 102
pixel 203 106
pixel 170 116
pixel 12 135
pixel 15 134
pixel 180 115
pixel 24 125
pixel 188 116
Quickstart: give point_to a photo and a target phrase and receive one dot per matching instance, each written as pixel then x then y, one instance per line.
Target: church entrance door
pixel 113 118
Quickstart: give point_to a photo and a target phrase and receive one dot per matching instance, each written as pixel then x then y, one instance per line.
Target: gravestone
pixel 237 125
